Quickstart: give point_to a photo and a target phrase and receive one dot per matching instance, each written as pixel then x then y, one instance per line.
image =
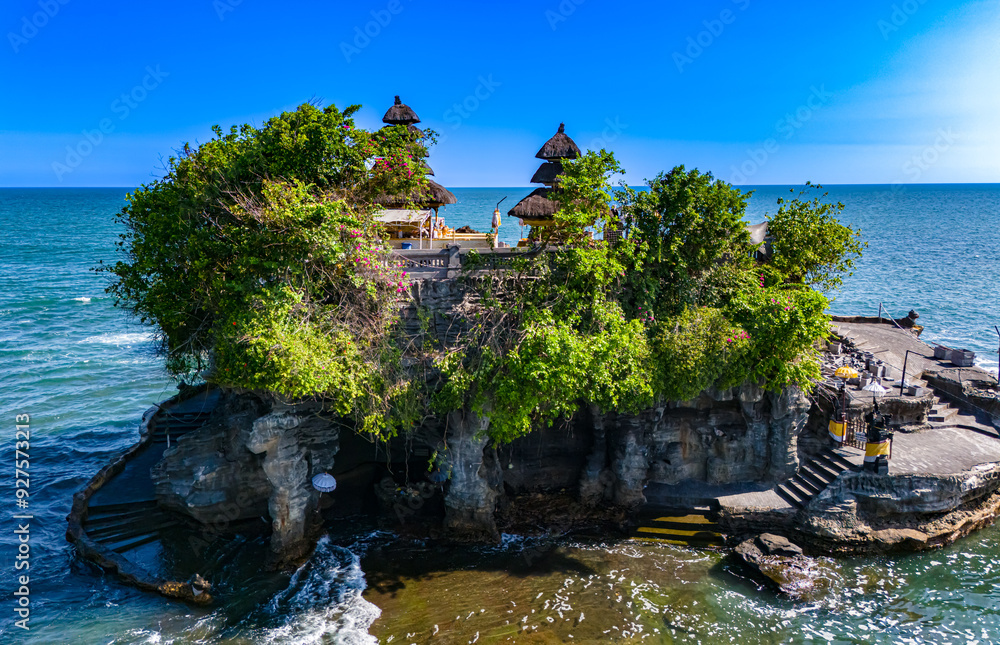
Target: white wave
pixel 134 338
pixel 83 300
pixel 323 602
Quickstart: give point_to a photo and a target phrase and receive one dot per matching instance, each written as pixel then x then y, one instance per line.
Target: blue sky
pixel 756 92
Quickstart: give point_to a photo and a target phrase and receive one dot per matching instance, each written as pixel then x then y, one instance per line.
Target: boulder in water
pixel 780 565
pixel 771 544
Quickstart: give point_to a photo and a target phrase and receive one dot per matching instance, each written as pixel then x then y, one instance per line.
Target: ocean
pixel 85 373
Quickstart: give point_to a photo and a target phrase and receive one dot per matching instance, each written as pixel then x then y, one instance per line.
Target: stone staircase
pixel 124 515
pixel 814 476
pixel 170 427
pixel 690 526
pixel 946 414
pixel 123 527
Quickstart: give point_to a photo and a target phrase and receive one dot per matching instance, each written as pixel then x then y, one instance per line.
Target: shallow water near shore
pixel 85 374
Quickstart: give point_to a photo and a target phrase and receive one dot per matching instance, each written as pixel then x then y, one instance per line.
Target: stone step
pixel 124 507
pixel 942 414
pixel 134 544
pixel 806 473
pixel 820 472
pixel 691 543
pixel 827 466
pixel 810 488
pixel 103 519
pixel 839 459
pixel 798 491
pixel 128 531
pixel 681 526
pixel 112 523
pixel 170 427
pixel 790 497
pixel 832 464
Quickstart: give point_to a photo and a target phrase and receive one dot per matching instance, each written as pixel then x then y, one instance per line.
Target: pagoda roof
pixel 400 114
pixel 560 146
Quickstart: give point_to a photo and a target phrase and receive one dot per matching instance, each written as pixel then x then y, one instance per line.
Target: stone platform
pixel 943 475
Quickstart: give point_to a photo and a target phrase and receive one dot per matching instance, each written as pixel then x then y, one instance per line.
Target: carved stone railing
pixel 448 262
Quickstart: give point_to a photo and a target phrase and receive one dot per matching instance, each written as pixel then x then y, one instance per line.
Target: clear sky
pixel 776 92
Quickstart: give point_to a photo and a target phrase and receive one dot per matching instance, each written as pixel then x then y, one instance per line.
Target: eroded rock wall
pixel 741 434
pixel 254 458
pixel 257 456
pixel 470 501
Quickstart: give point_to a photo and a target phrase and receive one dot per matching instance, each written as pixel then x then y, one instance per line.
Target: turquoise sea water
pixel 85 374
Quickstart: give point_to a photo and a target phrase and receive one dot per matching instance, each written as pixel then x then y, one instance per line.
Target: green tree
pixel 810 245
pixel 584 195
pixel 696 244
pixel 259 262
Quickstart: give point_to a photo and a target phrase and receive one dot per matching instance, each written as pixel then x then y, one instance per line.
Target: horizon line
pixel 939 183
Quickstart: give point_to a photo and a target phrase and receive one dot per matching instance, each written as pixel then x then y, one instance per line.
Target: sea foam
pixel 125 338
pixel 323 602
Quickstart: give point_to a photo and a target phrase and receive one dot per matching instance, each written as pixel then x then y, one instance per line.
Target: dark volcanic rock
pixel 796 576
pixel 772 544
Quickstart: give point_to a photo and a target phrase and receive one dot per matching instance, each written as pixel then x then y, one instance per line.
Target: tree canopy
pixel 258 260
pixel 810 245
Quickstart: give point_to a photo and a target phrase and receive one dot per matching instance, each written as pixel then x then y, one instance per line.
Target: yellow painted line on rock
pixel 686 519
pixel 649 529
pixel 662 541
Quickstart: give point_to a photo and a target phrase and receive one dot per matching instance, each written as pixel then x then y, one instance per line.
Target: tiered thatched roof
pixel 400 114
pixel 434 195
pixel 535 207
pixel 560 146
pixel 548 173
pixel 538 209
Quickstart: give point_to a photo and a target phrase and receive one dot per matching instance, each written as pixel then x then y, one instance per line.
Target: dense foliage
pixel 810 245
pixel 258 259
pixel 681 304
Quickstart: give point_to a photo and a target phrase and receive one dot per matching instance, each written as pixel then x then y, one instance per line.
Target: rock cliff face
pixel 862 509
pixel 474 486
pixel 256 457
pixel 737 435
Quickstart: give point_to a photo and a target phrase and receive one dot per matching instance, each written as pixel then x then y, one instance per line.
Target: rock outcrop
pixel 866 512
pixel 254 458
pixel 210 475
pixel 475 479
pixel 780 565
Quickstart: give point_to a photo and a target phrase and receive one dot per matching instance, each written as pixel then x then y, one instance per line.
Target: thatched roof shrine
pixel 400 114
pixel 433 195
pixel 560 146
pixel 536 206
pixel 537 209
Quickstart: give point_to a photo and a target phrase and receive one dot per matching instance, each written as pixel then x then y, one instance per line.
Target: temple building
pixel 412 219
pixel 537 209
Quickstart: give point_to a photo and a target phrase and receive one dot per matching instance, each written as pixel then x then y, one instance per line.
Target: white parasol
pixel 324 483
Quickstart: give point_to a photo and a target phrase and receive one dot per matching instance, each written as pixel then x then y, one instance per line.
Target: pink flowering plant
pixel 259 260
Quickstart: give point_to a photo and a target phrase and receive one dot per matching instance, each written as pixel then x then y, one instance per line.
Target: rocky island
pixel 674 379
